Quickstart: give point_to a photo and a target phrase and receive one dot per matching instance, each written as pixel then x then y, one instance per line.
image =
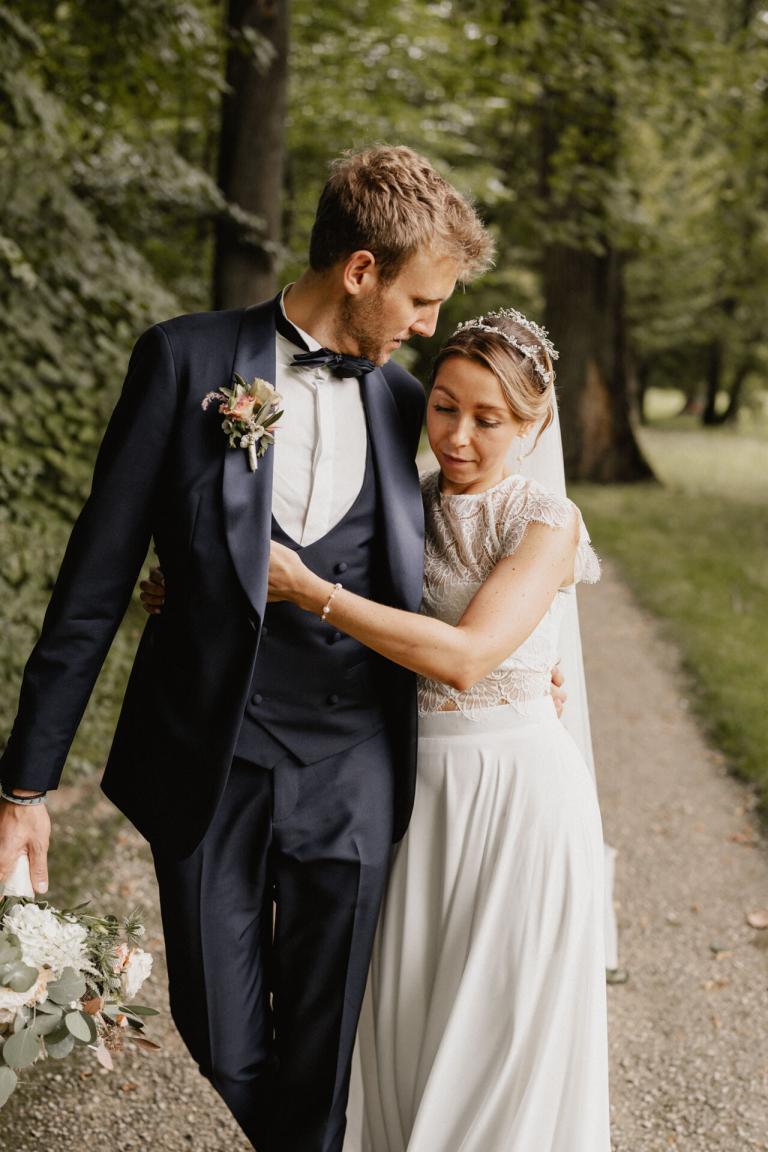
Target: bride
pixel 484 1028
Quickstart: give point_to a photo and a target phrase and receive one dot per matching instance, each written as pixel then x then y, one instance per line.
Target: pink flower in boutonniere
pixel 249 411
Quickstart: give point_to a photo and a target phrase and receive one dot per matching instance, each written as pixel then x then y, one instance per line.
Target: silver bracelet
pixel 327 607
pixel 24 800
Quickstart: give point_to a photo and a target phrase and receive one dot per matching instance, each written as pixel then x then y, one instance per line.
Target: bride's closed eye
pixel 481 423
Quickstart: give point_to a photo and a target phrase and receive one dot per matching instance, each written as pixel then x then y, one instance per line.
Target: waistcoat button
pixel 342 566
pixel 333 698
pixel 257 698
pixel 334 636
pixel 265 631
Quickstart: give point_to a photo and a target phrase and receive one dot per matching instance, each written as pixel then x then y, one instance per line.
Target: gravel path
pixel 688 1038
pixel 689 1044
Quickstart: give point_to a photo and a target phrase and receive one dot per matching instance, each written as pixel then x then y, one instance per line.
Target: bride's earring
pixel 519 455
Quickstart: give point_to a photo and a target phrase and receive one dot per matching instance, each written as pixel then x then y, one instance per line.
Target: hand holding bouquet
pixel 67 978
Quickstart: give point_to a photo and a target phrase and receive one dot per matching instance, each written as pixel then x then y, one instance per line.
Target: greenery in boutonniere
pixel 249 411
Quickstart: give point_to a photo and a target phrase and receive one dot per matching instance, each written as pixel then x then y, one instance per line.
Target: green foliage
pixel 87 195
pixel 694 552
pixel 635 125
pixel 700 169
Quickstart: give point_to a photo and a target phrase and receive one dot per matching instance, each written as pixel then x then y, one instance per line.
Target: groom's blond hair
pixel 391 202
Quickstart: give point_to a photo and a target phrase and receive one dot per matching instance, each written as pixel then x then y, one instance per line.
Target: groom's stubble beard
pixel 360 321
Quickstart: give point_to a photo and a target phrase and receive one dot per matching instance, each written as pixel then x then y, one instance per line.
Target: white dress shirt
pixel 320 444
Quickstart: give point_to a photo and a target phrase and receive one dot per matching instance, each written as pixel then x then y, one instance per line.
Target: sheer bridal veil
pixel 545 465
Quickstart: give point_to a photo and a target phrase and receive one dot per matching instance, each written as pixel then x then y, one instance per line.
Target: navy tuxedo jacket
pixel 165 471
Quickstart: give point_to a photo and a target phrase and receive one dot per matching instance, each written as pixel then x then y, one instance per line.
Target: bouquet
pixel 67 979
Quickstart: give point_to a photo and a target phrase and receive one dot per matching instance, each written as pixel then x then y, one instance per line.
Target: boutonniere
pixel 249 411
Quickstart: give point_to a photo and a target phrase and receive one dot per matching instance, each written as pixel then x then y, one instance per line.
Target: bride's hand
pixel 288 576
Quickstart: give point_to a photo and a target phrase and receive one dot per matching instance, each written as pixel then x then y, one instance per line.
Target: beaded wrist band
pixel 23 800
pixel 327 606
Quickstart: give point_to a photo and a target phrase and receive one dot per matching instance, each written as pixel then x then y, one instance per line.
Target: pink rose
pixel 121 953
pixel 242 409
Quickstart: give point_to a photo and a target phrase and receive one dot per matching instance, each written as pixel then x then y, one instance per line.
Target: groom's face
pixel 377 322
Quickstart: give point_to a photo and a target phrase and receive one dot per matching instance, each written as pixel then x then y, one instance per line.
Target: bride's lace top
pixel 466 536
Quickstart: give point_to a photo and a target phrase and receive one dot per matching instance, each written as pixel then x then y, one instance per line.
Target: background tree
pixel 251 160
pixel 98 208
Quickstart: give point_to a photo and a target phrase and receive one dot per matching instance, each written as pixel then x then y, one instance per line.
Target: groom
pixel 264 755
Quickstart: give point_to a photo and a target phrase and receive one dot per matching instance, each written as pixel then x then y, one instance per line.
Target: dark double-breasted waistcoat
pixel 165 471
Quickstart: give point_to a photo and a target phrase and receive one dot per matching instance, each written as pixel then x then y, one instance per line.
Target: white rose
pixel 135 971
pixel 46 941
pixel 263 391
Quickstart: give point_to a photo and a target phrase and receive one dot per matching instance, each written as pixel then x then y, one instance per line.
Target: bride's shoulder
pixel 527 502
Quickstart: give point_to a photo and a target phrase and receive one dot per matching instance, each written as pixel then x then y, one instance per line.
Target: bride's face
pixel 470 427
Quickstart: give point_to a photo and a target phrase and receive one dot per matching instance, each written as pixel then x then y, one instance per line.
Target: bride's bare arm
pixel 501 616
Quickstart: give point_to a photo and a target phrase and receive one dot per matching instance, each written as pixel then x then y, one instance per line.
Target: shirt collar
pixel 310 341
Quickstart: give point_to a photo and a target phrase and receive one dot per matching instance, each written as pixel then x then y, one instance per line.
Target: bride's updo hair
pixel 519 354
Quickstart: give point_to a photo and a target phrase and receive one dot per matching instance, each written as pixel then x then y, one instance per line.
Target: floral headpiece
pixel 532 352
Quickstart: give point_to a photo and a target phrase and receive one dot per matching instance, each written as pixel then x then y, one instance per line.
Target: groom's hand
pixel 153 591
pixel 25 828
pixel 559 695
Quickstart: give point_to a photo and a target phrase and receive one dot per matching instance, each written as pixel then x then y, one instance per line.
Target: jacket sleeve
pixel 101 564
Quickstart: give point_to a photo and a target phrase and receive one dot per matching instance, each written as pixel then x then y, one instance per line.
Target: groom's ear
pixel 360 273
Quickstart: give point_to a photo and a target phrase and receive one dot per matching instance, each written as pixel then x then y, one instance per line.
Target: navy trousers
pixel 270 1016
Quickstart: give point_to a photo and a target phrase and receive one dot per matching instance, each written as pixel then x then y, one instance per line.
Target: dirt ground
pixel 689 1047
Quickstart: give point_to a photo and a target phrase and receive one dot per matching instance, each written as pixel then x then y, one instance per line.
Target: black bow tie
pixel 339 363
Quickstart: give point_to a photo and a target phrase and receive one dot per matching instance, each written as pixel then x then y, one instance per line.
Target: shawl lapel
pixel 246 495
pixel 402 512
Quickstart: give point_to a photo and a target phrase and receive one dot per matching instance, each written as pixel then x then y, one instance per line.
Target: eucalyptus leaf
pixel 90 1024
pixel 139 1010
pixel 21 1049
pixel 60 1032
pixel 8 1081
pixel 77 1024
pixel 70 986
pixel 45 1025
pixel 21 978
pixel 59 1049
pixel 50 1009
pixel 9 952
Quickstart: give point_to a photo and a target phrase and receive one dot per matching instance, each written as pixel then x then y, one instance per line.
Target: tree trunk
pixel 714 374
pixel 692 405
pixel 736 390
pixel 711 416
pixel 638 377
pixel 584 311
pixel 251 150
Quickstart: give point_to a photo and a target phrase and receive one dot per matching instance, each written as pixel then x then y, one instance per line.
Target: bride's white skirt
pixel 484 1024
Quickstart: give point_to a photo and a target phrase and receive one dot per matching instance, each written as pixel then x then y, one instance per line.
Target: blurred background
pixel 162 156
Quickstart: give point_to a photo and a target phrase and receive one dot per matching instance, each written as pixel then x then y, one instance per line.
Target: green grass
pixel 695 551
